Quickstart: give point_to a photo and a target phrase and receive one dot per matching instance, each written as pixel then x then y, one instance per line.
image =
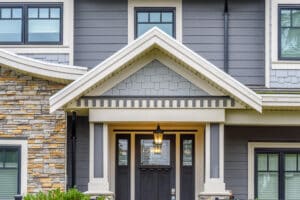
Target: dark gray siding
pixel 100 30
pixel 236 152
pixel 82 153
pixel 203 32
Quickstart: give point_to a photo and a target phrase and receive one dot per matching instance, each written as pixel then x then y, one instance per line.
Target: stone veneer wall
pixel 24 112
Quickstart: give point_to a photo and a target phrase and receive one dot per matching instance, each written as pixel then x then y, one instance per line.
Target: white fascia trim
pixel 68 32
pixel 251 160
pixel 155 38
pixel 24 159
pixel 50 71
pixel 281 100
pixel 177 4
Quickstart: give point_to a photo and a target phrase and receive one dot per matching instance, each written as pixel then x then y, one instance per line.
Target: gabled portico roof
pixel 155 38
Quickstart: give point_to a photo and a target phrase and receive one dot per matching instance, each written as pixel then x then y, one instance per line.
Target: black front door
pixel 155 172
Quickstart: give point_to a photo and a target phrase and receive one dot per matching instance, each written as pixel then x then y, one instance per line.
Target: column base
pixel 99 188
pixel 215 190
pixel 204 196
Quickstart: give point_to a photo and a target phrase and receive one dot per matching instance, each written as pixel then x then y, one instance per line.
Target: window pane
pixel 149 157
pixel 290 162
pixel 5 13
pixel 168 28
pixel 44 30
pixel 273 162
pixel 123 152
pixel 167 17
pixel 296 18
pixel 292 182
pixel 33 12
pixel 17 13
pixel 44 13
pixel 267 188
pixel 12 31
pixel 11 159
pixel 298 162
pixel 262 160
pixel 54 13
pixel 8 183
pixel 187 157
pixel 155 17
pixel 290 43
pixel 142 17
pixel 285 18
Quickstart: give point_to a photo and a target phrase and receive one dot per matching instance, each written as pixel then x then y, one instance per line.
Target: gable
pixel 155 79
pixel 180 58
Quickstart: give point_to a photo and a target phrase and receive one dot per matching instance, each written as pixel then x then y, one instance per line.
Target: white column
pixel 214 160
pixel 98 160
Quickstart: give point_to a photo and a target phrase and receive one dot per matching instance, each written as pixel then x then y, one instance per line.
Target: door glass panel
pixel 123 152
pixel 187 157
pixel 262 162
pixel 292 182
pixel 149 157
pixel 267 185
pixel 290 162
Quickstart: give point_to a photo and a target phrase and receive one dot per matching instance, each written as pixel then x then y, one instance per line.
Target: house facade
pixel 151 99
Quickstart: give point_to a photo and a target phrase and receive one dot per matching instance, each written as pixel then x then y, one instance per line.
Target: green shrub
pixel 72 194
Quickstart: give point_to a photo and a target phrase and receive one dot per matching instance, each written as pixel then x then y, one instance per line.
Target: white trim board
pixel 251 160
pixel 24 159
pixel 45 70
pixel 155 38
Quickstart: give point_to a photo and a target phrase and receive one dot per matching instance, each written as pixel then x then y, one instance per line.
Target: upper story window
pixel 289 33
pixel 31 24
pixel 147 18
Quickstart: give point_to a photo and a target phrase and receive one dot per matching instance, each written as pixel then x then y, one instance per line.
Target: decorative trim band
pixel 156 102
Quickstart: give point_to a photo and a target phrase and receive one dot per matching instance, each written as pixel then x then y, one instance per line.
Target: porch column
pixel 98 179
pixel 214 185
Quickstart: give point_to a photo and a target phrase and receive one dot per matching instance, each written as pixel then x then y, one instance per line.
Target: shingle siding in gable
pixel 59 58
pixel 203 32
pixel 100 30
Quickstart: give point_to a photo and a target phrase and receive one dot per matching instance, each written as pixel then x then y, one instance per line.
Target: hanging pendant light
pixel 158 136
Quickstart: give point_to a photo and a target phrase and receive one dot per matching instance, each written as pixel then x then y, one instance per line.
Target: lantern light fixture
pixel 158 135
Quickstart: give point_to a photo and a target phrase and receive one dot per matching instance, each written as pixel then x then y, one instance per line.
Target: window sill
pixel 286 64
pixel 20 49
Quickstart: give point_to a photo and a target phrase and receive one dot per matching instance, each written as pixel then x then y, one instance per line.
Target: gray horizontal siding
pixel 100 30
pixel 236 152
pixel 203 32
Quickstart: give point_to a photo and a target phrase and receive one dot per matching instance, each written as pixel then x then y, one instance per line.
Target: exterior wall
pixel 236 152
pixel 82 153
pixel 203 32
pixel 52 58
pixel 155 79
pixel 24 106
pixel 284 78
pixel 100 30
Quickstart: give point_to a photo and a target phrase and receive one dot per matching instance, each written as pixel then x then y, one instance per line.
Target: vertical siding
pixel 236 152
pixel 82 153
pixel 100 30
pixel 203 32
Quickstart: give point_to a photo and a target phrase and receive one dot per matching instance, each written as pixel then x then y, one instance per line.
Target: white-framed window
pixel 166 15
pixel 273 170
pixel 13 167
pixel 281 37
pixel 64 30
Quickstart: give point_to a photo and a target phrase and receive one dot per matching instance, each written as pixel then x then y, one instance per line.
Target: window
pixel 31 24
pixel 289 33
pixel 277 174
pixel 9 172
pixel 147 18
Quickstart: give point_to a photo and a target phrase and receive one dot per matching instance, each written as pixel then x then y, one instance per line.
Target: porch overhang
pixel 157 39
